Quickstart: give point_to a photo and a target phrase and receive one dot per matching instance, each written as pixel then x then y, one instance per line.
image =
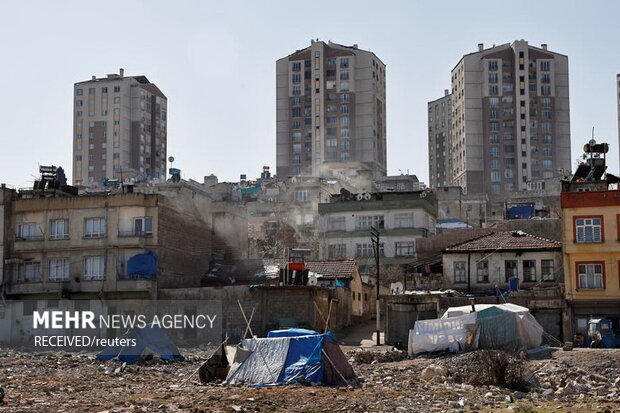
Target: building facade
pixel 331 113
pixel 439 142
pixel 400 218
pixel 510 118
pixel 492 260
pixel 591 256
pixel 119 130
pixel 618 99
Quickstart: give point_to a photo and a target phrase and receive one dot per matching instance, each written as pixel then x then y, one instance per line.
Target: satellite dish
pixel 367 196
pixel 312 279
pixel 360 197
pixel 171 159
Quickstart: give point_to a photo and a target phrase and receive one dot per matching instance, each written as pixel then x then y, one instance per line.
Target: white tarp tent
pixel 506 326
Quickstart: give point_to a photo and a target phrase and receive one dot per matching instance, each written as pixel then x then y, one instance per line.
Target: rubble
pixel 580 380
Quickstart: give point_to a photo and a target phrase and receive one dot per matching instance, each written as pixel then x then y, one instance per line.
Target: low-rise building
pixel 591 257
pixel 491 261
pixel 400 218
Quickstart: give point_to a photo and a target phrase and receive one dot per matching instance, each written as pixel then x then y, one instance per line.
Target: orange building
pixel 591 241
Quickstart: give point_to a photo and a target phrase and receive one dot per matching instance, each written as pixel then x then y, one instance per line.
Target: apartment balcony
pixel 135 238
pixel 119 284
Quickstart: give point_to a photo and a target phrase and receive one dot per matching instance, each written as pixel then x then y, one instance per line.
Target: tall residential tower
pixel 119 130
pixel 330 112
pixel 510 118
pixel 439 121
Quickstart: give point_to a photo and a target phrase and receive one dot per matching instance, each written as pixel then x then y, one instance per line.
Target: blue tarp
pixel 143 264
pixel 284 359
pixel 520 212
pixel 148 340
pixel 292 332
pixel 304 359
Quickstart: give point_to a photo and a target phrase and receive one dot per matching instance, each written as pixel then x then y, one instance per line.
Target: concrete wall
pixel 272 304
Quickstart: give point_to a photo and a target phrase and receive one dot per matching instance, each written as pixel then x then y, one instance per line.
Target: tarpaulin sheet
pixel 441 334
pixel 143 264
pixel 292 332
pixel 265 364
pixel 304 360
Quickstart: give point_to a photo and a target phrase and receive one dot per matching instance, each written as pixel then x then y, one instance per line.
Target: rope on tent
pixel 334 366
pixel 252 334
pixel 245 333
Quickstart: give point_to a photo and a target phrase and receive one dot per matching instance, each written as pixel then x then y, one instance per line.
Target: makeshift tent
pixel 498 326
pixel 313 358
pixel 149 341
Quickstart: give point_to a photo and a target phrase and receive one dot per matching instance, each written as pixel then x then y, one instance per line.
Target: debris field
pixel 581 380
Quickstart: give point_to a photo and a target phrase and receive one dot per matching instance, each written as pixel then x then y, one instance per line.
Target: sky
pixel 215 61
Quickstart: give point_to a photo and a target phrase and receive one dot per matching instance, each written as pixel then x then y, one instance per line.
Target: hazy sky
pixel 215 61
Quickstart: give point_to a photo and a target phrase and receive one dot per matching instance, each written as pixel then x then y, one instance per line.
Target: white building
pixel 400 218
pixel 490 261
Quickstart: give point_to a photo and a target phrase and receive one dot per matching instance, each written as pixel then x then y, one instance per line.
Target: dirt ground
pixel 577 381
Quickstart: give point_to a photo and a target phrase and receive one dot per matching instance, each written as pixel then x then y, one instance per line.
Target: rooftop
pixel 326 269
pixel 506 241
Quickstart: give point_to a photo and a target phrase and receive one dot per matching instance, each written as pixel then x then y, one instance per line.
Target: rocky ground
pixel 577 381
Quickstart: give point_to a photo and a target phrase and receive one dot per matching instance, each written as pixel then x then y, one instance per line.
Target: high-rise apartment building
pixel 618 99
pixel 510 118
pixel 330 112
pixel 119 130
pixel 439 120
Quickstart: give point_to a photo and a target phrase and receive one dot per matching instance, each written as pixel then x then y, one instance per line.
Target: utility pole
pixel 374 237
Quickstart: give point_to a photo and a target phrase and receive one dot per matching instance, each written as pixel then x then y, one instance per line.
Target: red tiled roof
pixel 328 269
pixel 506 241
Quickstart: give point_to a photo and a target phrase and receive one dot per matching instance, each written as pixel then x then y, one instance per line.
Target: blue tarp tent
pixel 143 264
pixel 150 340
pixel 312 358
pixel 520 212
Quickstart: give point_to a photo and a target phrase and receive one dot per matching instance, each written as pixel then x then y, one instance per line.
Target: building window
pixel 494 126
pixel 495 176
pixel 588 230
pixel 494 138
pixel 58 269
pixel 493 77
pixel 79 92
pixel 546 151
pixel 296 66
pixel 344 156
pixel 344 133
pixel 404 249
pixel 545 90
pixel 59 229
pixel 29 272
pixel 482 271
pixel 547 270
pixel 143 226
pixel 296 78
pixel 344 62
pixel 403 220
pixel 495 152
pixel 529 270
pixel 545 66
pixel 301 196
pixel 296 147
pixel 94 227
pixel 296 90
pixel 511 269
pixel 460 272
pixel 344 75
pixel 28 231
pixel 94 268
pixel 493 90
pixel 337 251
pixel 492 64
pixel 367 250
pixel 590 276
pixel 336 223
pixel 364 222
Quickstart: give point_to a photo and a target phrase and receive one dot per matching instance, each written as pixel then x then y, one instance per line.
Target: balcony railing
pixel 129 234
pixel 30 238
